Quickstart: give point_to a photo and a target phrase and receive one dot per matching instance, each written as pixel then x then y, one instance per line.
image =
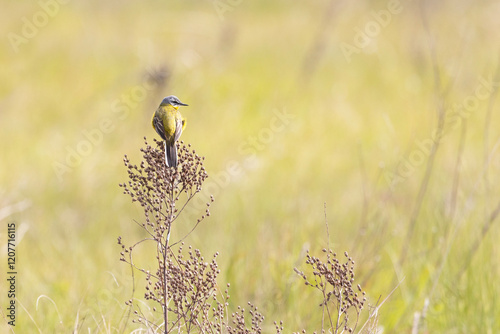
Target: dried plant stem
pixel 487 122
pixel 486 228
pixel 435 144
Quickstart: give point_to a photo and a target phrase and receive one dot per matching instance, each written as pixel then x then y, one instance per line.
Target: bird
pixel 169 124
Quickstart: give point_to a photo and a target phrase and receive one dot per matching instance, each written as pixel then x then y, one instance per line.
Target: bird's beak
pixel 183 104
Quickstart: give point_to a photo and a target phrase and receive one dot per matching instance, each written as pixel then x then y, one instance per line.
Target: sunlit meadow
pixel 378 117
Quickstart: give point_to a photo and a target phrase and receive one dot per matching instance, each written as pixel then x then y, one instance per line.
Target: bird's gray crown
pixel 172 100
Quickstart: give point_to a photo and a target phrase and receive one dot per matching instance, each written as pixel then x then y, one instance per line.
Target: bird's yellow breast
pixel 168 116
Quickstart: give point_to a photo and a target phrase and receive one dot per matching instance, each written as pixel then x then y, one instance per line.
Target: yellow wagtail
pixel 169 124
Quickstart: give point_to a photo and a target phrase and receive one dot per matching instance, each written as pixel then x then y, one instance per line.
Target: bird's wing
pixel 178 129
pixel 160 129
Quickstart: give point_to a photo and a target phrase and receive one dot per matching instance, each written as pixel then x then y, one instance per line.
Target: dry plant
pixel 342 302
pixel 181 291
pixel 182 288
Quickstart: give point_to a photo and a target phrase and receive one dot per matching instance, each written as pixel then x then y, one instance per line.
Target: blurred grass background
pixel 354 123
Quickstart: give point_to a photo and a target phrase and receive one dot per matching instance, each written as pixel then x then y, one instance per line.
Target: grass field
pixel 382 112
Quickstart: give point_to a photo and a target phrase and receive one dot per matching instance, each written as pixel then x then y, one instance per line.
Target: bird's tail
pixel 171 154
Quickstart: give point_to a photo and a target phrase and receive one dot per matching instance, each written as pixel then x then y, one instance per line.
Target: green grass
pixel 353 122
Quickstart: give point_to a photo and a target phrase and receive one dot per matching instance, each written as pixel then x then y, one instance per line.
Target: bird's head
pixel 173 101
